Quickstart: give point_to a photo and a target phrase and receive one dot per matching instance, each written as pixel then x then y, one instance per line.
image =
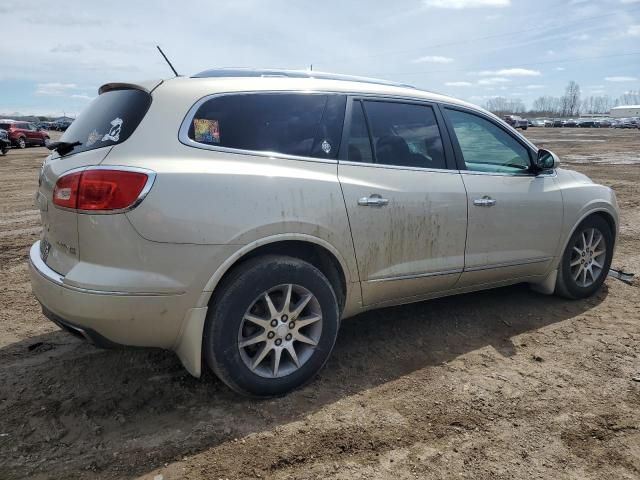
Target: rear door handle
pixel 374 200
pixel 485 201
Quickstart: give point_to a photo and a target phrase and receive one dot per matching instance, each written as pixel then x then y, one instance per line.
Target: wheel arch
pixel 316 251
pixel 601 212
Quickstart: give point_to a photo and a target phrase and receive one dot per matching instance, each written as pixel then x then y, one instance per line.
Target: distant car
pixel 60 126
pixel 625 123
pixel 602 123
pixel 558 123
pixel 548 123
pixel 5 143
pixel 570 123
pixel 517 122
pixel 24 134
pixel 587 123
pixel 537 123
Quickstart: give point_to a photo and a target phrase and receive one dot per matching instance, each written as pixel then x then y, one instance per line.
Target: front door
pixel 515 216
pixel 406 208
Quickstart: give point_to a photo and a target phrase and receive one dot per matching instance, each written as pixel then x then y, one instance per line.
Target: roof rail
pixel 249 72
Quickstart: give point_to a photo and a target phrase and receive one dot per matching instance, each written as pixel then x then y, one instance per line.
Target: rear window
pixel 289 123
pixel 5 126
pixel 108 120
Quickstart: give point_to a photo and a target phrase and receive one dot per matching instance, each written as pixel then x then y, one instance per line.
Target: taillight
pixel 65 193
pixel 99 189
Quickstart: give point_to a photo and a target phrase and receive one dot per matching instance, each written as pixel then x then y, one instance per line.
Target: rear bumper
pixel 107 318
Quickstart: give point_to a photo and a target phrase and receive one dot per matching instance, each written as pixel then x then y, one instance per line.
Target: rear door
pixel 515 215
pixel 407 208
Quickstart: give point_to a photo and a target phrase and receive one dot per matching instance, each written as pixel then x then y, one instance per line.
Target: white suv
pixel 238 215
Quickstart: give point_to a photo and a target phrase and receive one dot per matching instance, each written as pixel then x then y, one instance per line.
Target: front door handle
pixel 374 200
pixel 485 201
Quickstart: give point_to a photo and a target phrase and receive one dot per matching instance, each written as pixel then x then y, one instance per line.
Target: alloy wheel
pixel 280 330
pixel 588 257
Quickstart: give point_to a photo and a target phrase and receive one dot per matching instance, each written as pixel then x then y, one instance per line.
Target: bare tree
pixel 505 106
pixel 545 105
pixel 570 102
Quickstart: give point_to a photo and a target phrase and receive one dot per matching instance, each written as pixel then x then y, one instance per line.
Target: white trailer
pixel 625 111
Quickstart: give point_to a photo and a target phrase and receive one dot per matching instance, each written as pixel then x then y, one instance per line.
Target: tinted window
pixel 292 124
pixel 486 147
pixel 5 126
pixel 108 120
pixel 405 134
pixel 359 147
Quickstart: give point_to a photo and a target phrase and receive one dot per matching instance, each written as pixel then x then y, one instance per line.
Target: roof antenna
pixel 167 60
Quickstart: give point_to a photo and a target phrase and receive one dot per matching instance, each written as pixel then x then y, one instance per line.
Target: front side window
pixel 288 123
pixel 405 134
pixel 486 147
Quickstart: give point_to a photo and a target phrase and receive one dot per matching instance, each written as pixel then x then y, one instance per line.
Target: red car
pixel 23 134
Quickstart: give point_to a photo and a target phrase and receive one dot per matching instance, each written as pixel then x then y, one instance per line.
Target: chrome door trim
pixel 416 275
pixel 509 264
pixel 398 167
pixel 553 173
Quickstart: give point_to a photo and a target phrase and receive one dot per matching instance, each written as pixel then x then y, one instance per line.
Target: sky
pixel 55 55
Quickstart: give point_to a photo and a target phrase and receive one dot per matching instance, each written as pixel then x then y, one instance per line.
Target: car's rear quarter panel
pixel 212 198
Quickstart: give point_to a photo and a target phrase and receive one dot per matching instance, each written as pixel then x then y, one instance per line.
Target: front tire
pixel 271 326
pixel 22 143
pixel 586 259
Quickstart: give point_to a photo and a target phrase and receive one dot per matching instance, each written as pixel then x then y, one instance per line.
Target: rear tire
pixel 22 143
pixel 254 321
pixel 586 259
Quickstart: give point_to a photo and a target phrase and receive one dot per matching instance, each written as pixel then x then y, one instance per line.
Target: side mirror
pixel 546 160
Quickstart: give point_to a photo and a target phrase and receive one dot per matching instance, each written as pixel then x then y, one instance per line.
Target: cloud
pixel 634 31
pixel 560 69
pixel 433 59
pixel 493 80
pixel 581 37
pixel 54 88
pixel 69 48
pixel 82 96
pixel 460 4
pixel 534 87
pixel 511 72
pixel 458 84
pixel 621 79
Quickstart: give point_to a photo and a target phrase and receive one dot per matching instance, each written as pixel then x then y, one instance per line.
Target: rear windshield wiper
pixel 63 147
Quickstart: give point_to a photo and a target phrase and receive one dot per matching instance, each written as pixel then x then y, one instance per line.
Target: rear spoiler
pixel 148 86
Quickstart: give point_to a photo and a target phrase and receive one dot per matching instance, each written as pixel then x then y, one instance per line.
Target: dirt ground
pixel 503 384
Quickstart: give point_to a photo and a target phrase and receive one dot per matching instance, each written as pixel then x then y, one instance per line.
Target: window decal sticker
pixel 326 147
pixel 93 137
pixel 114 132
pixel 206 131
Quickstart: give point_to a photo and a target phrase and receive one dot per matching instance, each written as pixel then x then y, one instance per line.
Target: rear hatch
pixel 108 121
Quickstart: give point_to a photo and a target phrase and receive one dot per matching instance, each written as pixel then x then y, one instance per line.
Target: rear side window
pixel 288 123
pixel 108 120
pixel 405 134
pixel 5 126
